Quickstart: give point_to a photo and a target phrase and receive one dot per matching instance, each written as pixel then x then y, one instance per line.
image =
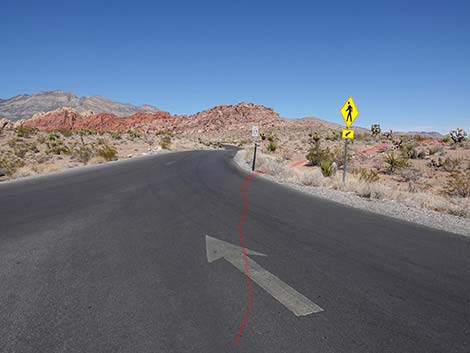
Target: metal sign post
pixel 254 134
pixel 254 158
pixel 345 161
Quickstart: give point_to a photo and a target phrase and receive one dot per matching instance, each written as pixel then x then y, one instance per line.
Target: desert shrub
pixel 133 134
pixel 416 154
pixel 369 175
pixel 410 174
pixel 83 154
pixel 165 142
pixel 164 132
pixel 115 135
pixel 101 141
pixel 53 136
pixel 41 139
pixel 272 146
pixel 333 136
pixel 316 153
pixel 410 151
pixel 86 132
pixel 459 185
pixel 434 149
pixel 107 152
pixel 394 161
pixel 21 149
pixel 65 133
pixel 57 147
pixel 313 138
pixel 326 168
pixel 25 131
pixel 14 141
pixel 452 165
pixel 316 156
pixel 216 144
pixel 446 139
pixel 271 138
pixel 10 163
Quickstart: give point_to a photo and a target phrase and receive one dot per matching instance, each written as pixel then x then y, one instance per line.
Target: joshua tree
pixel 389 135
pixel 458 136
pixel 375 130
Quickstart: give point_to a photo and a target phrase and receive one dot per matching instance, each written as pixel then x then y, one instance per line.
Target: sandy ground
pixel 27 152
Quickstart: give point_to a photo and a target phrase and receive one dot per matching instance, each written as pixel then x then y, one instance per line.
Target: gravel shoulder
pixel 417 215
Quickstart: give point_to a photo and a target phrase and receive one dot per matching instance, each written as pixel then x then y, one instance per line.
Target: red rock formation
pixel 60 119
pixel 227 117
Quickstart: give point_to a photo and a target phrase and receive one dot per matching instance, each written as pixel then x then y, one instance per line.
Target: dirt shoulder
pixel 373 197
pixel 28 152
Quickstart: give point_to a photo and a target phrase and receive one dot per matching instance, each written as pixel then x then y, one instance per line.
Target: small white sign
pixel 254 132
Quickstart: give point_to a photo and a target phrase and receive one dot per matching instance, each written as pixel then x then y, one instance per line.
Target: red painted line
pixel 433 142
pixel 296 164
pixel 245 259
pixel 374 148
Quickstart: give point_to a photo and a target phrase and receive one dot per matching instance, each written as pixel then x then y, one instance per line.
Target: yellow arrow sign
pixel 349 112
pixel 348 134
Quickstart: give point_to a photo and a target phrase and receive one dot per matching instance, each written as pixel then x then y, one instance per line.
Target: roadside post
pixel 254 134
pixel 349 112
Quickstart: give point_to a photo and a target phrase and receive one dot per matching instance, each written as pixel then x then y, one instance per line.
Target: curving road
pixel 113 259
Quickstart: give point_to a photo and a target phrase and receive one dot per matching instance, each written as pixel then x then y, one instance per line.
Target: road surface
pixel 113 259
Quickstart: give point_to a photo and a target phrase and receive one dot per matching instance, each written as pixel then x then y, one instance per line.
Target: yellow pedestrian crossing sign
pixel 348 134
pixel 349 112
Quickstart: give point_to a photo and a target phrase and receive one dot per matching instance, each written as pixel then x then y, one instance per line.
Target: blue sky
pixel 406 63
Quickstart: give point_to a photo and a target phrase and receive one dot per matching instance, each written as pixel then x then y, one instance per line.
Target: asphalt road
pixel 113 259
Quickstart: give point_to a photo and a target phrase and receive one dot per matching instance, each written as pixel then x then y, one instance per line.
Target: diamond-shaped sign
pixel 349 112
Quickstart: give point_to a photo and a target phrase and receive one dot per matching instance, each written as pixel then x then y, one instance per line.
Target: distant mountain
pixel 24 106
pixel 430 134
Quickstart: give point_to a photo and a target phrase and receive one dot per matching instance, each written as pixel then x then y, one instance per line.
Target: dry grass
pixel 366 184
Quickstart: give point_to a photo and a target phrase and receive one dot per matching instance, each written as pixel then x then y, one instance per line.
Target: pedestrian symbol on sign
pixel 349 110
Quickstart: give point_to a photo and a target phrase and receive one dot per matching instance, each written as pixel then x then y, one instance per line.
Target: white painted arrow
pixel 282 292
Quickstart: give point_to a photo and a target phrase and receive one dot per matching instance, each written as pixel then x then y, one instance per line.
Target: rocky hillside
pixel 224 117
pixel 24 106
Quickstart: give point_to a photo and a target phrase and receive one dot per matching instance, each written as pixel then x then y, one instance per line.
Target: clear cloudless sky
pixel 406 63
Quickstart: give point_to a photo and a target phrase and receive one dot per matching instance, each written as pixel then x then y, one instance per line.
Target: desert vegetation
pixel 416 170
pixel 27 151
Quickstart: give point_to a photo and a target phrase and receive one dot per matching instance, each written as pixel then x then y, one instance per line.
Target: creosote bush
pixel 165 142
pixel 25 131
pixel 134 134
pixel 53 136
pixel 83 154
pixel 272 146
pixel 107 152
pixel 115 135
pixel 57 147
pixel 452 165
pixel 66 133
pixel 369 175
pixel 9 163
pixel 316 154
pixel 459 185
